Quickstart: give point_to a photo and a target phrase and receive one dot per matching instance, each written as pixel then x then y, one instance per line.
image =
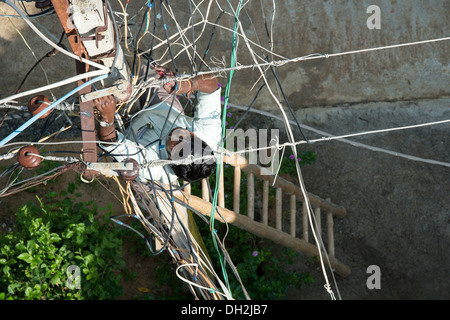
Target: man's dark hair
pixel 198 169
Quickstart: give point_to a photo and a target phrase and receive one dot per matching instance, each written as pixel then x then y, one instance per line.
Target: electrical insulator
pixel 28 158
pixel 37 104
pixel 130 175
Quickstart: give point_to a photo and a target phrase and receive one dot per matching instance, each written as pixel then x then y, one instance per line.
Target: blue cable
pixel 54 104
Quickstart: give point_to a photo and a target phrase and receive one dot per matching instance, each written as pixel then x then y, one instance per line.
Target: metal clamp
pixel 121 90
pixel 110 168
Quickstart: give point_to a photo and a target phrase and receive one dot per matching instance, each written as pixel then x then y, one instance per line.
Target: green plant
pixel 48 237
pixel 288 165
pixel 262 271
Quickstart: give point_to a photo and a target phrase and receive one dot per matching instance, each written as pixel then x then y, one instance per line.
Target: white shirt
pixel 148 125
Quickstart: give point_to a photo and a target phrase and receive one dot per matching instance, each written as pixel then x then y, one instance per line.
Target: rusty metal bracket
pixel 62 9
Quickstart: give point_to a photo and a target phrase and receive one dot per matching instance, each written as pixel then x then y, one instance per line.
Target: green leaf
pixel 55 237
pixel 20 246
pixel 31 246
pixel 28 292
pixel 55 280
pixel 24 256
pixel 6 270
pixel 89 259
pixel 5 250
pixel 68 234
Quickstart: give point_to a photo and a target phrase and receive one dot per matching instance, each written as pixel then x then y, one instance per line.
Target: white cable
pixel 211 290
pixel 62 106
pixel 294 150
pixel 103 69
pixel 315 56
pixel 54 85
pixel 353 143
pixel 60 49
pixel 52 158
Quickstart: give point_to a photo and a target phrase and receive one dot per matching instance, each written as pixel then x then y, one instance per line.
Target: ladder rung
pixel 305 222
pixel 221 200
pixel 265 204
pixel 293 214
pixel 317 215
pixel 330 224
pixel 278 209
pixel 205 191
pixel 237 189
pixel 251 196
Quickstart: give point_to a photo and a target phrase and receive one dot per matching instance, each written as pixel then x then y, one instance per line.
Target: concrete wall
pixel 300 28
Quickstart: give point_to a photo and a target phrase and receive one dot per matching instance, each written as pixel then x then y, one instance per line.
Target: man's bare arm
pixel 202 83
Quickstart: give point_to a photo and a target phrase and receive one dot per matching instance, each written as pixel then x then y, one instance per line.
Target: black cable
pixel 193 39
pixel 210 40
pixel 48 54
pixel 136 39
pixel 147 242
pixel 281 87
pixel 287 102
pixel 169 232
pixel 248 109
pixel 167 36
pixel 116 33
pixel 48 122
pixel 153 33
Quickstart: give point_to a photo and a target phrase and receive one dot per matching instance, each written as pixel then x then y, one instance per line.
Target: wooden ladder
pixel 263 228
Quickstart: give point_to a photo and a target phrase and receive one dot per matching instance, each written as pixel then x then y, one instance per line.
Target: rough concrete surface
pixel 398 209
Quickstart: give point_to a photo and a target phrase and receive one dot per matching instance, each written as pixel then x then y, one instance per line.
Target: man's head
pixel 181 144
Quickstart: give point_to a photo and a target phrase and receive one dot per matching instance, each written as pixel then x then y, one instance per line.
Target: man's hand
pixel 203 83
pixel 107 107
pixel 166 73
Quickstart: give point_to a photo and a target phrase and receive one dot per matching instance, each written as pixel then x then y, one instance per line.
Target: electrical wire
pixel 50 107
pixel 48 41
pixel 177 43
